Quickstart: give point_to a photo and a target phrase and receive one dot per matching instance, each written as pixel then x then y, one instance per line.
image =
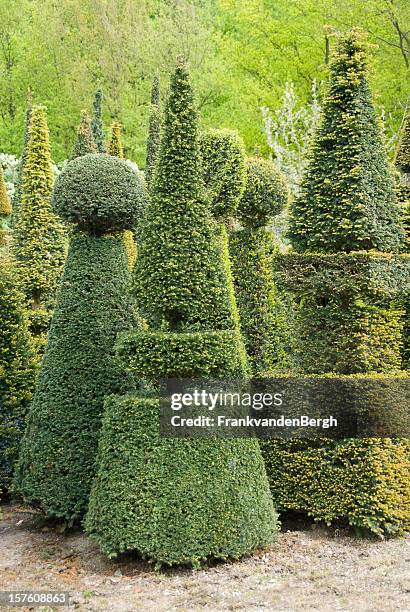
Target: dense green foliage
pixel 266 193
pixel 115 145
pixel 99 193
pixel 17 371
pixel 85 141
pixel 154 131
pixel 347 199
pixel 39 239
pixel 97 122
pixel 5 204
pixel 224 171
pixel 79 369
pixel 179 501
pixel 403 150
pixel 23 158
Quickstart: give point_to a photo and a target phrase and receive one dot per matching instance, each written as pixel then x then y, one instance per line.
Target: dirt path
pixel 305 570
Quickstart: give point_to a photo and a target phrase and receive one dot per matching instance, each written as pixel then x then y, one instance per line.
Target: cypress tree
pixel 19 182
pixel 115 146
pixel 178 501
pixel 154 131
pixel 39 239
pixel 347 199
pixel 79 368
pixel 97 122
pixel 85 142
pixel 17 370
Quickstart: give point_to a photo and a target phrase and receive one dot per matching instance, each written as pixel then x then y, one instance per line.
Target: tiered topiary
pixel 224 170
pixel 39 238
pixel 98 194
pixel 85 141
pixel 251 248
pixel 16 204
pixel 154 131
pixel 97 122
pixel 17 371
pixel 178 501
pixel 115 147
pixel 347 323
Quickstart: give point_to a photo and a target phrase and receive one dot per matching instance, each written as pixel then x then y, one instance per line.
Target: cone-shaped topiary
pixel 266 193
pixel 16 204
pixel 79 368
pixel 403 151
pixel 5 204
pixel 154 131
pixel 39 238
pixel 97 122
pixel 115 145
pixel 224 170
pixel 17 371
pixel 178 501
pixel 347 199
pixel 85 141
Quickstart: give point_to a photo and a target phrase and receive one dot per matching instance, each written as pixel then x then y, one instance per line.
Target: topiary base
pixel 176 501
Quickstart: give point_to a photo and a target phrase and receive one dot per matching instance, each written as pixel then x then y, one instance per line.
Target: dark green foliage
pixel 224 170
pixel 154 131
pixel 39 238
pixel 99 193
pixel 266 193
pixel 403 152
pixel 17 371
pixel 347 199
pixel 262 318
pixel 97 122
pixel 179 501
pixel 176 501
pixel 16 204
pixel 79 369
pixel 85 142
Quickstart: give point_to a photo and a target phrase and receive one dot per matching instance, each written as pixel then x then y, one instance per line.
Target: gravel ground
pixel 307 569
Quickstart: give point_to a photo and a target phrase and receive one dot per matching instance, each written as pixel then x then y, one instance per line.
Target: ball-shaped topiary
pixel 100 194
pixel 266 193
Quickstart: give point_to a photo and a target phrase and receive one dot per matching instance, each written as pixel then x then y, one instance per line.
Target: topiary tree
pixel 97 122
pixel 402 159
pixel 79 368
pixel 224 170
pixel 16 204
pixel 115 145
pixel 178 501
pixel 154 131
pixel 347 200
pixel 17 371
pixel 39 238
pixel 85 142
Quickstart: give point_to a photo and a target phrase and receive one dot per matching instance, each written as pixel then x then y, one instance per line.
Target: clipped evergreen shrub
pixel 17 371
pixel 16 204
pixel 80 368
pixel 224 170
pixel 115 145
pixel 154 131
pixel 97 122
pixel 347 200
pixel 178 501
pixel 40 239
pixel 85 142
pixel 266 193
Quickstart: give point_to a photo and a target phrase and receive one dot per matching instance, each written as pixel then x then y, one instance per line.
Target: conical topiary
pixel 347 199
pixel 16 204
pixel 154 131
pixel 39 238
pixel 85 141
pixel 178 501
pixel 115 145
pixel 97 122
pixel 98 193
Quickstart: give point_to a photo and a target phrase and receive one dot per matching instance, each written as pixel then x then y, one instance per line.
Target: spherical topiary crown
pixel 99 193
pixel 266 193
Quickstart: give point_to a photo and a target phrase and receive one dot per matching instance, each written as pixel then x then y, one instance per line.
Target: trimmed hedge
pixel 224 170
pixel 266 193
pixel 17 371
pixel 176 501
pixel 99 193
pixel 79 369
